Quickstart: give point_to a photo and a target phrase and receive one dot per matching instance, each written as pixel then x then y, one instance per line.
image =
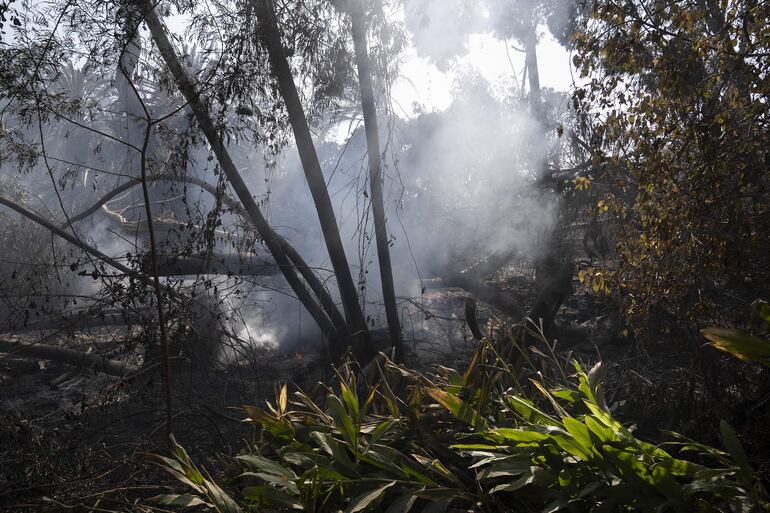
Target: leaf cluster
pixel 677 97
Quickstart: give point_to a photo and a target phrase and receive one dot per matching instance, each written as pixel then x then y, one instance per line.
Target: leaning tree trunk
pixel 363 63
pixel 325 315
pixel 281 71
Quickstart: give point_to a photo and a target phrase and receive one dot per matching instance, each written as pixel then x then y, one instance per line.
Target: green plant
pixel 482 440
pixel 747 347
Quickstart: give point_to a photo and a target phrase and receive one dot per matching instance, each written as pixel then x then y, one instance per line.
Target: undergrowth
pixel 518 430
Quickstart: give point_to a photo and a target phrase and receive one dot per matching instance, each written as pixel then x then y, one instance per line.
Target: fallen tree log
pixel 480 292
pixel 79 359
pixel 84 320
pixel 190 265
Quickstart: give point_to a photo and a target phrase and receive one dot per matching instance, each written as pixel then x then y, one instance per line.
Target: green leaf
pixel 458 407
pixel 185 500
pixel 385 458
pixel 631 469
pixel 222 502
pixel 434 465
pixel 529 411
pixel 344 422
pixel 581 434
pixel 518 435
pixel 271 496
pixel 175 469
pixel 566 394
pixel 339 455
pixel 266 465
pixel 380 431
pixel 734 446
pixel 741 345
pixel 283 482
pixel 535 475
pixel 280 428
pixel 324 440
pixel 402 504
pixel 601 431
pixel 504 469
pixel 300 459
pixel 605 418
pixel 452 376
pixel 351 401
pixel 361 502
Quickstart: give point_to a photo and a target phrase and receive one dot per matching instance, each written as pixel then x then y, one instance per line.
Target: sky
pixel 421 82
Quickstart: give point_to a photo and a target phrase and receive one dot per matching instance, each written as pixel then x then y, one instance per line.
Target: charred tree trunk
pixel 358 26
pixel 271 38
pixel 73 322
pixel 533 74
pixel 550 298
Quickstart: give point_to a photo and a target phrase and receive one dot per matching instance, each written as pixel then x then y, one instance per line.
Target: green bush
pixel 481 440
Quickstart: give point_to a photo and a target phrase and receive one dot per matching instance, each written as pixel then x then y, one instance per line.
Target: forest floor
pixel 83 444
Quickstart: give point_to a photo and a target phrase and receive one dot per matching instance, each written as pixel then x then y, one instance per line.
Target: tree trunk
pixel 274 242
pixel 358 26
pixel 85 320
pixel 530 60
pixel 548 263
pixel 282 73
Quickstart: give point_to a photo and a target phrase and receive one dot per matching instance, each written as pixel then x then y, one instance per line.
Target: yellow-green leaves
pixel 207 492
pixel 741 345
pixel 458 407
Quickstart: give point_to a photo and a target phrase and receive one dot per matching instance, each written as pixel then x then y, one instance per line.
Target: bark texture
pixel 271 37
pixel 368 105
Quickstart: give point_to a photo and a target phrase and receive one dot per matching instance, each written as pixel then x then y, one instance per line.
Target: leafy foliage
pixel 479 440
pixel 677 102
